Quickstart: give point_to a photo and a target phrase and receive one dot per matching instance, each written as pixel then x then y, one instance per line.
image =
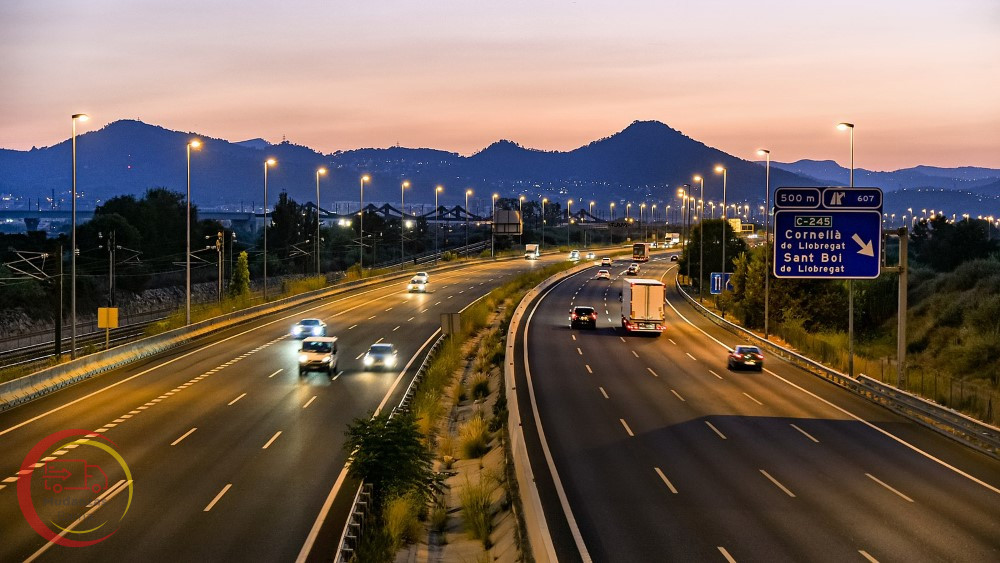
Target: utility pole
pixel 902 270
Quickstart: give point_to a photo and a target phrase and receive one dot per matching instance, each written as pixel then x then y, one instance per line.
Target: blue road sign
pixel 836 197
pixel 828 243
pixel 715 287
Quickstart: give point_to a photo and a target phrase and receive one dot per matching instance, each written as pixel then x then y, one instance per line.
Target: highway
pixel 662 454
pixel 232 455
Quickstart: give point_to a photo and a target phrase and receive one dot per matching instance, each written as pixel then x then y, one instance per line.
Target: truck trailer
pixel 642 305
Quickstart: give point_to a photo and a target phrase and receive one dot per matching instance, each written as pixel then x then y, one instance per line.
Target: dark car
pixel 673 258
pixel 381 355
pixel 309 327
pixel 582 316
pixel 746 357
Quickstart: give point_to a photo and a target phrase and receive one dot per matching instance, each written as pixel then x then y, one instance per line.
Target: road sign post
pixel 717 285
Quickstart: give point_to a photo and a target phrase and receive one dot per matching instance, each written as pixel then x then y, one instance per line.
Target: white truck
pixel 531 252
pixel 642 305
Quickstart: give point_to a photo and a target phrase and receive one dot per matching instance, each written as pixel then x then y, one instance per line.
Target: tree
pixel 712 231
pixel 239 285
pixel 944 246
pixel 389 453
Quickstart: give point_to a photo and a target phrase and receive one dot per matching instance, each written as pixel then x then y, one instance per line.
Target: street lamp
pixel 468 192
pixel 72 251
pixel 843 126
pixel 493 230
pixel 319 172
pixel 611 228
pixel 722 170
pixel 267 164
pixel 544 201
pixel 701 236
pixel 520 212
pixel 437 224
pixel 642 206
pixel 767 236
pixel 195 144
pixel 569 218
pixel 591 212
pixel 361 226
pixel 402 215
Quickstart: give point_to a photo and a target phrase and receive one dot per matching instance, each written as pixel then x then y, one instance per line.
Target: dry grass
pixel 474 437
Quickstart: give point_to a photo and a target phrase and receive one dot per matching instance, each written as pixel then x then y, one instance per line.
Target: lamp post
pixel 468 192
pixel 437 225
pixel 72 250
pixel 591 212
pixel 701 236
pixel 767 237
pixel 569 218
pixel 520 212
pixel 724 172
pixel 319 172
pixel 642 226
pixel 195 144
pixel 544 201
pixel 267 164
pixel 402 216
pixel 361 225
pixel 493 229
pixel 611 228
pixel 844 126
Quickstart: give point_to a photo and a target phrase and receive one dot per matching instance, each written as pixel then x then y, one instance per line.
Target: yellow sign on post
pixel 107 318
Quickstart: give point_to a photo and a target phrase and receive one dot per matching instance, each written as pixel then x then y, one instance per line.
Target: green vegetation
pixel 477 508
pixel 474 438
pixel 389 453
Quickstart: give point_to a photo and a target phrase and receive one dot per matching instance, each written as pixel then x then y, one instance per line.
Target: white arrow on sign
pixel 866 248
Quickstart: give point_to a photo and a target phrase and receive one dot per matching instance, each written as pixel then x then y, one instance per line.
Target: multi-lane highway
pixel 232 454
pixel 661 454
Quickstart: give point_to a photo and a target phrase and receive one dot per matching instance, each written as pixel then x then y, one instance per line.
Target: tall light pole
pixel 319 172
pixel 542 245
pixel 585 244
pixel 611 228
pixel 569 218
pixel 361 219
pixel 493 229
pixel 72 250
pixel 437 225
pixel 701 242
pixel 267 164
pixel 652 219
pixel 468 192
pixel 195 144
pixel 844 126
pixel 402 215
pixel 722 170
pixel 642 226
pixel 767 238
pixel 520 212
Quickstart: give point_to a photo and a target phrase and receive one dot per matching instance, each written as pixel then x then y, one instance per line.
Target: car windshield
pixel 417 280
pixel 319 347
pixel 309 322
pixel 422 274
pixel 747 350
pixel 602 271
pixel 583 310
pixel 380 349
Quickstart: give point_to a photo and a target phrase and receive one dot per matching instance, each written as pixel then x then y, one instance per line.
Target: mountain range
pixel 647 161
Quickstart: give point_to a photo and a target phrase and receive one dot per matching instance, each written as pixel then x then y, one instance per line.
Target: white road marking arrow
pixel 866 248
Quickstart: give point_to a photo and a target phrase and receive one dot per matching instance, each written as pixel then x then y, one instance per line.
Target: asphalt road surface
pixel 665 455
pixel 231 453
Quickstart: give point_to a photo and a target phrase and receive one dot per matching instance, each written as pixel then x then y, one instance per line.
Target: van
pixel 318 353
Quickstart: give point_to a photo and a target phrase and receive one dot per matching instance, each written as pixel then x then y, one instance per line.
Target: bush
pixel 477 510
pixel 474 438
pixel 458 393
pixel 401 520
pixel 480 386
pixel 427 409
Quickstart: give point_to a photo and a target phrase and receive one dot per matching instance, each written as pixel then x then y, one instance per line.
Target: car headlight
pixel 317 330
pixel 303 358
pixel 326 359
pixel 368 360
pixel 389 362
pixel 296 329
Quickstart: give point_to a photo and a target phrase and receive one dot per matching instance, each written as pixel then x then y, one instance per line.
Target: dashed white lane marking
pixel 217 497
pixel 754 400
pixel 623 338
pixel 276 373
pixel 379 340
pixel 438 303
pixel 634 354
pixel 236 399
pixel 336 376
pixel 715 374
pixel 462 291
pixel 665 480
pixel 603 392
pixel 574 336
pixel 351 327
pixel 450 296
pixel 867 556
pixel 716 430
pixel 186 434
pixel 676 394
pixel 10 480
pixel 397 328
pixel 651 372
pixel 118 421
pixel 579 351
pixel 428 309
pixel 309 402
pixel 371 317
pixel 690 356
pixel 877 480
pixel 358 357
pixel 133 412
pixel 777 484
pixel 627 429
pixel 804 433
pixel 410 319
pixel 725 554
pixel 389 309
pixel 271 441
pixel 672 341
pixel 588 368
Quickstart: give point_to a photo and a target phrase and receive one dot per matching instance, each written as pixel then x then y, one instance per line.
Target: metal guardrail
pixel 951 423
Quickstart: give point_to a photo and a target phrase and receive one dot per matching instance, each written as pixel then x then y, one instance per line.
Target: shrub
pixel 401 520
pixel 458 392
pixel 480 386
pixel 474 438
pixel 439 519
pixel 477 509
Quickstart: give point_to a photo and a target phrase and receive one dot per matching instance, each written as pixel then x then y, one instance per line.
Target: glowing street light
pixel 722 170
pixel 364 179
pixel 319 172
pixel 542 244
pixel 468 192
pixel 701 236
pixel 493 216
pixel 767 236
pixel 437 225
pixel 844 126
pixel 267 164
pixel 569 218
pixel 72 251
pixel 402 215
pixel 195 144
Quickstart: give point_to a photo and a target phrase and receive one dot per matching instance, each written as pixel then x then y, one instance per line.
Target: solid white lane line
pixel 111 492
pixel 236 399
pixel 651 372
pixel 876 479
pixel 627 429
pixel 397 328
pixel 665 480
pixel 676 394
pixel 309 402
pixel 777 484
pixel 672 341
pixel 186 434
pixel 352 326
pixel 588 368
pixel 271 441
pixel 754 400
pixel 579 351
pixel 716 430
pixel 603 392
pixel 867 556
pixel 634 354
pixel 806 434
pixel 715 374
pixel 217 497
pixel 690 356
pixel 276 373
pixel 725 554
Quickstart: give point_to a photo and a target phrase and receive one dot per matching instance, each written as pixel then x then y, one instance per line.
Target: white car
pixel 591 256
pixel 318 353
pixel 423 276
pixel 417 283
pixel 309 327
pixel 381 355
pixel 574 255
pixel 603 275
pixel 605 261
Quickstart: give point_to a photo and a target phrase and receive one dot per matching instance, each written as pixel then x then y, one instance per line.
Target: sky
pixel 919 78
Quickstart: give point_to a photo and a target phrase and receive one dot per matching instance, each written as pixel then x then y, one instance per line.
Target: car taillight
pixel 593 316
pixel 574 316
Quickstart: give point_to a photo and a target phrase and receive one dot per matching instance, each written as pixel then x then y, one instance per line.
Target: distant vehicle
pixel 673 258
pixel 653 244
pixel 582 316
pixel 748 357
pixel 633 269
pixel 309 327
pixel 640 252
pixel 531 252
pixel 318 353
pixel 422 276
pixel 642 305
pixel 603 275
pixel 605 261
pixel 417 284
pixel 574 255
pixel 591 256
pixel 381 355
